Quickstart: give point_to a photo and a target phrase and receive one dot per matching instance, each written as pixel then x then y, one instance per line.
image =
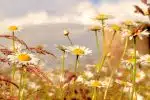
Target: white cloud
pixel 80 14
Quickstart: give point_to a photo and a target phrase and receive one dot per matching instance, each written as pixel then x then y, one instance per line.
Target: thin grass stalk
pixel 134 70
pixel 63 62
pixel 69 40
pixel 97 44
pixel 113 72
pixel 13 65
pixel 103 33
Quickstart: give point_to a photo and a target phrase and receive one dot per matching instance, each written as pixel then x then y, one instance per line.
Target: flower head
pixel 115 27
pixel 139 33
pixel 95 28
pixel 130 53
pixel 127 84
pixel 128 63
pixel 145 60
pixel 129 23
pixel 132 33
pixel 140 75
pixel 61 47
pixel 102 17
pixel 79 50
pixel 94 83
pixel 23 58
pixel 12 28
pixel 66 32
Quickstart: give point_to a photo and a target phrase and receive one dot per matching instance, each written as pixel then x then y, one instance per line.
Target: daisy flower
pixel 80 79
pixel 130 34
pixel 140 75
pixel 79 50
pixel 23 58
pixel 13 28
pixel 115 27
pixel 127 84
pixel 95 28
pixel 103 17
pixel 145 60
pixel 130 53
pixel 66 32
pixel 94 83
pixel 88 74
pixel 129 23
pixel 129 62
pixel 139 34
pixel 61 47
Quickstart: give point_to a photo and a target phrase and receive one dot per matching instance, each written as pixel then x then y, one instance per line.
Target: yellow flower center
pixel 128 22
pixel 116 27
pixel 138 75
pixel 95 28
pixel 102 17
pixel 95 83
pixel 78 52
pixel 13 28
pixel 24 57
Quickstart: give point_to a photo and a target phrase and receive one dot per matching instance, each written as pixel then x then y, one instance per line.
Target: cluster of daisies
pixel 129 30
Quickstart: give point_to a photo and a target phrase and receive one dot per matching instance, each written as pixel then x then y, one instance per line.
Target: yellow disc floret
pixel 24 57
pixel 78 51
pixel 13 28
pixel 95 84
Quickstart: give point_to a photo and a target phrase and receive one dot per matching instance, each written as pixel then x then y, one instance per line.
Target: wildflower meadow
pixel 120 73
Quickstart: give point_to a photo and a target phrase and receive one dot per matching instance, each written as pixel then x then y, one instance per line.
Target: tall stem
pixel 97 44
pixel 76 64
pixel 63 62
pixel 134 70
pixel 69 40
pixel 94 97
pixel 13 65
pixel 103 33
pixel 22 83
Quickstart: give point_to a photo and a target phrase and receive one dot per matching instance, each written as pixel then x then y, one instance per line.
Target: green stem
pixel 94 97
pixel 63 73
pixel 103 33
pixel 69 40
pixel 134 70
pixel 63 62
pixel 97 44
pixel 13 66
pixel 106 53
pixel 22 84
pixel 113 72
pixel 76 64
pixel 13 41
